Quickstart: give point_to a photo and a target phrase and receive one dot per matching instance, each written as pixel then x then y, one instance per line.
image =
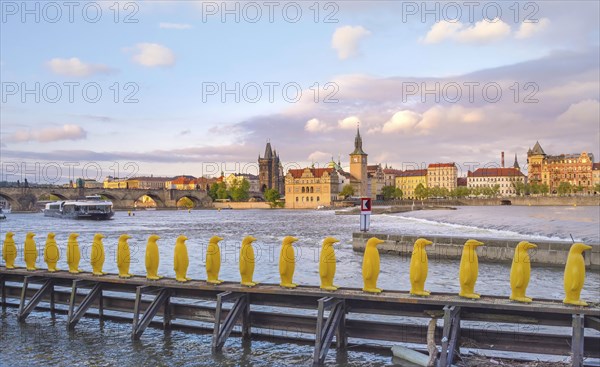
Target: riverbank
pixel 548 253
pixel 394 209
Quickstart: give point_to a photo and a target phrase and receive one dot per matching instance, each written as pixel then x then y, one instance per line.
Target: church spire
pixel 358 143
pixel 516 164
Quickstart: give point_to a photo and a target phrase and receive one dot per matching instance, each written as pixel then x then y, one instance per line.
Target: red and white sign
pixel 365 205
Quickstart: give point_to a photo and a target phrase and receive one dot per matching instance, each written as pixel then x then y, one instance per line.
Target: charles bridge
pixel 26 198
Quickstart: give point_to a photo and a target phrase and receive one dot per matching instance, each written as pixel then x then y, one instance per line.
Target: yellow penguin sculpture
pixel 98 256
pixel 213 260
pixel 30 251
pixel 181 260
pixel 247 261
pixel 73 254
pixel 287 262
pixel 124 257
pixel 370 267
pixel 520 272
pixel 327 264
pixel 152 258
pixel 51 252
pixel 419 268
pixel 9 250
pixel 575 274
pixel 469 269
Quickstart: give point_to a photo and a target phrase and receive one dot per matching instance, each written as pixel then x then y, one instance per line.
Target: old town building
pixel 575 169
pixel 358 168
pixel 442 175
pixel 310 188
pixel 504 178
pixel 408 180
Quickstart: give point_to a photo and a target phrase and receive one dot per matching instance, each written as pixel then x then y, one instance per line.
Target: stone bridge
pixel 26 198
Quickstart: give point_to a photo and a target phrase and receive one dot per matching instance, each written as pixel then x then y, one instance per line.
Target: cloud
pixel 152 55
pixel 484 31
pixel 318 156
pixel 185 132
pixel 315 125
pixel 346 40
pixel 580 112
pixel 178 26
pixel 528 29
pixel 66 132
pixel 402 121
pixel 349 123
pixel 77 68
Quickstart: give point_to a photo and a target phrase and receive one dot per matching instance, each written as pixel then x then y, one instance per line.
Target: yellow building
pixel 310 188
pixel 442 175
pixel 114 183
pixel 408 180
pixel 147 183
pixel 596 176
pixel 576 169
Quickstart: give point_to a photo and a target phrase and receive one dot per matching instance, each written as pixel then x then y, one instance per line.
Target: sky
pixel 127 88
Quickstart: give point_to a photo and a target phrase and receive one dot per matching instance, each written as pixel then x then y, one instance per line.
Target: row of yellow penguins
pixel 574 275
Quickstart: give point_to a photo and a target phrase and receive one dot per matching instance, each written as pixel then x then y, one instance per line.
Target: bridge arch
pixel 110 196
pixel 198 200
pixel 157 199
pixel 14 203
pixel 59 195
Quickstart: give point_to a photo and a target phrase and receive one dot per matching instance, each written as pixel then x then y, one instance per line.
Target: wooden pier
pixel 491 323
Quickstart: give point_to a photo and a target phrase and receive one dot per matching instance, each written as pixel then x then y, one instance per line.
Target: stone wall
pixel 242 205
pixel 548 253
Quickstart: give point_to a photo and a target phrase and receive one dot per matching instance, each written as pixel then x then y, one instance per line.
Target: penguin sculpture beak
pixel 184 238
pixel 427 243
pixel 293 239
pixel 101 236
pixel 219 239
pixel 379 242
pixel 252 238
pixel 531 245
pixel 587 247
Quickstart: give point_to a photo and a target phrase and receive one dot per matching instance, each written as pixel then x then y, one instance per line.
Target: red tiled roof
pixel 413 173
pixel 316 172
pixel 440 165
pixel 153 179
pixel 183 181
pixel 392 171
pixel 495 172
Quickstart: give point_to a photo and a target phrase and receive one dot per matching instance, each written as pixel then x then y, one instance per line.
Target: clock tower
pixel 358 167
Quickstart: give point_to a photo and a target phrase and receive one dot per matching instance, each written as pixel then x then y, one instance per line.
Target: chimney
pixel 502 160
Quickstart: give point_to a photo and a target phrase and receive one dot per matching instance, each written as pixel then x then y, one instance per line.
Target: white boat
pixel 92 207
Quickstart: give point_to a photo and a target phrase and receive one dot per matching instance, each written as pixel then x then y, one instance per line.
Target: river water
pixel 269 227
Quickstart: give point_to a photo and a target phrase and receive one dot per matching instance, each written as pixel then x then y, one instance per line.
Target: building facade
pixel 270 171
pixel 596 177
pixel 442 175
pixel 253 180
pixel 408 180
pixel 505 178
pixel 310 188
pixel 390 176
pixel 147 183
pixel 552 170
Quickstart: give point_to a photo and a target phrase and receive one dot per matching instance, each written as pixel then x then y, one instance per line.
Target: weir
pixel 490 323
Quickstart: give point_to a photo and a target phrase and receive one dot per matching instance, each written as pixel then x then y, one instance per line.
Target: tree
pixel 597 188
pixel 272 197
pixel 495 190
pixel 421 191
pixel 544 189
pixel 347 191
pixel 461 192
pixel 388 192
pixel 564 188
pixel 398 194
pixel 240 190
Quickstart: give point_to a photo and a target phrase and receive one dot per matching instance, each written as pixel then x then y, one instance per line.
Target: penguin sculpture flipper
pixel 520 277
pixel 176 264
pixel 368 269
pixel 243 267
pixel 577 279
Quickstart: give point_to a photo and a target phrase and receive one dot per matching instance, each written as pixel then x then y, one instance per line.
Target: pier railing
pixel 490 323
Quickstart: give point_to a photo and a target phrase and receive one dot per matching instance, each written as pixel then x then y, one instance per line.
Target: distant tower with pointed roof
pixel 535 161
pixel 516 164
pixel 358 168
pixel 270 171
